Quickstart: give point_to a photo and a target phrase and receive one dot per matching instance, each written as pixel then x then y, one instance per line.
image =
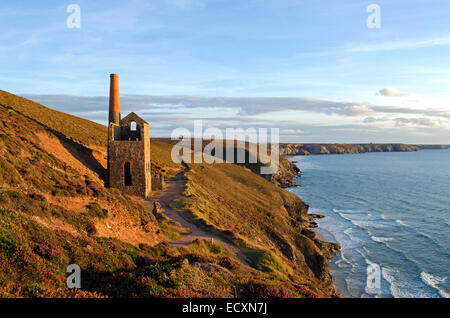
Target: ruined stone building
pixel 129 165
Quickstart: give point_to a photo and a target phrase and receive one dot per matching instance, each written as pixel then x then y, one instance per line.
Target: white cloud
pixel 391 92
pixel 237 106
pixel 361 47
pixel 406 122
pixel 320 121
pixel 292 131
pixel 426 122
pixel 397 45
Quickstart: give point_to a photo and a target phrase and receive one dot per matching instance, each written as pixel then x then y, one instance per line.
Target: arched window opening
pixel 133 126
pixel 127 174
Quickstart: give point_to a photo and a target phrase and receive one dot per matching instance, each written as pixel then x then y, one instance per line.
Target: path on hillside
pixel 174 190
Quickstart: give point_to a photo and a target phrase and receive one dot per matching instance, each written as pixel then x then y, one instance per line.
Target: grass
pixel 83 131
pixel 254 214
pixel 33 257
pixel 161 158
pixel 230 200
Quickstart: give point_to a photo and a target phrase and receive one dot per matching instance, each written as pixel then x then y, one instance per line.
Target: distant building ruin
pixel 129 165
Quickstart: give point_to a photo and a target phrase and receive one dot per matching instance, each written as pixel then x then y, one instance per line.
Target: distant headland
pixel 298 149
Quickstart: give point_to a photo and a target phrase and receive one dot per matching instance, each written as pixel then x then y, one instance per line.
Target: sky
pixel 313 69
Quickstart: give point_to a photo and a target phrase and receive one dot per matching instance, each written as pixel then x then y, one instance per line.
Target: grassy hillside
pixel 284 177
pixel 54 211
pixel 268 223
pixel 51 215
pixel 81 130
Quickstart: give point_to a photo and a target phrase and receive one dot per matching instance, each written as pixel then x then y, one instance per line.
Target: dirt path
pixel 174 191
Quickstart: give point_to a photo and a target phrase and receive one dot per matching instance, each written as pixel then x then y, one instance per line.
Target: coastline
pixel 329 246
pixel 363 226
pixel 300 149
pixel 340 285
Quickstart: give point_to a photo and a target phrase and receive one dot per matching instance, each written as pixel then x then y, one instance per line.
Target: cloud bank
pixel 347 121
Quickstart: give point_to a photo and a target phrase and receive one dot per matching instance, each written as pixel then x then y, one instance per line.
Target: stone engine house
pixel 129 165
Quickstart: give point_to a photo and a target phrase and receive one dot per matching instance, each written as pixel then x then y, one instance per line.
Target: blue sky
pixel 312 68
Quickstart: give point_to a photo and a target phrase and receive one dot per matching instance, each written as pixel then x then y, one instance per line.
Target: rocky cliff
pixel 286 173
pixel 326 149
pixel 433 147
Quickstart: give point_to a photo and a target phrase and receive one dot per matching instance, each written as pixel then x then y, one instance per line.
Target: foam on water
pixel 367 220
pixel 435 281
pixel 381 239
pixel 372 212
pixel 403 288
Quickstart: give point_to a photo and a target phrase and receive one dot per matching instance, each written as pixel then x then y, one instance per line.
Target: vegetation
pixel 81 130
pixel 51 215
pixel 264 220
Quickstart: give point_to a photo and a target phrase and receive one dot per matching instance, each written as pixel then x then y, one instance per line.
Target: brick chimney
pixel 114 100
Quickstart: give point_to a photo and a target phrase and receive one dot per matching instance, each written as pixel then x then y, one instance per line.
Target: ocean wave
pixel 350 211
pixel 358 216
pixel 374 224
pixel 351 240
pixel 366 220
pixel 434 281
pixel 381 239
pixel 348 231
pixel 402 287
pixel 346 260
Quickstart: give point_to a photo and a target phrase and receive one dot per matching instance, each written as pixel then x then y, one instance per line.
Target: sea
pixel 390 212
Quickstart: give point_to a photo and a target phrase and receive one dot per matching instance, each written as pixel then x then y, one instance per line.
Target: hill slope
pixel 54 211
pixel 81 130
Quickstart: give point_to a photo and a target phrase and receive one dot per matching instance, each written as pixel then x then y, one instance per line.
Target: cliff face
pixel 434 147
pixel 270 225
pixel 286 173
pixel 326 149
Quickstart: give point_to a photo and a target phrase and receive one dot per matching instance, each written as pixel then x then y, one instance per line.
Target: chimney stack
pixel 114 100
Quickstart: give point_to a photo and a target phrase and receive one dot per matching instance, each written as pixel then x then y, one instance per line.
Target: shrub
pixel 228 263
pixel 143 260
pixel 152 290
pixel 47 251
pixel 95 210
pixel 36 196
pixel 260 289
pixel 90 228
pixel 8 246
pixel 161 273
pixel 197 258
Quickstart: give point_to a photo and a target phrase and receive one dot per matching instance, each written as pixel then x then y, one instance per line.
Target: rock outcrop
pixel 157 210
pixel 433 147
pixel 286 173
pixel 326 149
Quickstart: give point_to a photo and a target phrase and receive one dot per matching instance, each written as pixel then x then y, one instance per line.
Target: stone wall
pixel 134 150
pixel 157 182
